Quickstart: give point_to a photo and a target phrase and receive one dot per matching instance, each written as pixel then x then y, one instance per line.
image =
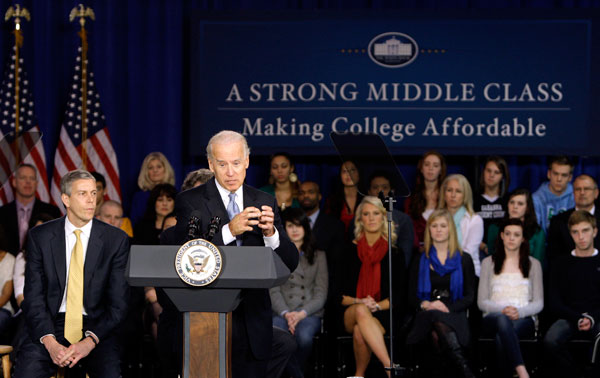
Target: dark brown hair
pixel 418 202
pixel 500 255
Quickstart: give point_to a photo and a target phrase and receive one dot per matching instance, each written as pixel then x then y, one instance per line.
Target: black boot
pixel 453 350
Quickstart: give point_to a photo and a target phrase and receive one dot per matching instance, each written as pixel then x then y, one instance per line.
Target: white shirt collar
pixel 593 254
pixel 591 211
pixel 69 227
pixel 239 198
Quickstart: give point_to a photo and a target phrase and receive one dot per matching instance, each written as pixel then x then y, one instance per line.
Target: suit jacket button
pixel 302 286
pixel 303 297
pixel 291 276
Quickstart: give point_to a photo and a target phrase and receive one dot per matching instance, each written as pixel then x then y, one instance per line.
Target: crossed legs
pixel 367 337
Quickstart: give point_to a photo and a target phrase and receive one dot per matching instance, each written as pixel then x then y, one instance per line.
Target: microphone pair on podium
pixel 194 227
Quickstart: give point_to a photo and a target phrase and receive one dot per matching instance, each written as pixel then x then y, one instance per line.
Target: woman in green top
pixel 520 205
pixel 283 182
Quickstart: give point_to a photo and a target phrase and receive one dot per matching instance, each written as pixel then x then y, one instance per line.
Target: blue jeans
pixel 306 329
pixel 507 334
pixel 555 345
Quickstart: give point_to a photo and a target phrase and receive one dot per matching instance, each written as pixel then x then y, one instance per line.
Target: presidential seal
pixel 198 262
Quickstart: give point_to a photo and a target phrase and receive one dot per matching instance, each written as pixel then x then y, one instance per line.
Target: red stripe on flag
pixel 110 170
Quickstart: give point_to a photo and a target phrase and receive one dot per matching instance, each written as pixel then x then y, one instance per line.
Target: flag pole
pixel 17 13
pixel 81 12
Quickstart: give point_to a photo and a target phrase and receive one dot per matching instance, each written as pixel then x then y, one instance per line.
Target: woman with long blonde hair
pixel 457 197
pixel 155 170
pixel 441 289
pixel 365 293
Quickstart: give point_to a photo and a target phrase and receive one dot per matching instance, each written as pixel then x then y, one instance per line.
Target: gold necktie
pixel 74 314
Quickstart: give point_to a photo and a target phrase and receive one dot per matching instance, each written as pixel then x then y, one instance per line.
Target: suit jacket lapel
pixel 215 207
pixel 94 249
pixel 58 249
pixel 215 203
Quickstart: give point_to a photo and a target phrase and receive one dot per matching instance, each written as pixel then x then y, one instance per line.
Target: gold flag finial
pixel 82 12
pixel 17 12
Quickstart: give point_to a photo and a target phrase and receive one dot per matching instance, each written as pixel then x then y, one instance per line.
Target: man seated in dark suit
pixel 15 215
pixel 75 289
pixel 328 233
pixel 585 191
pixel 250 218
pixel 380 182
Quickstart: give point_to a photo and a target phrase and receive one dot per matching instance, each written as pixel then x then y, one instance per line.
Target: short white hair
pixel 226 137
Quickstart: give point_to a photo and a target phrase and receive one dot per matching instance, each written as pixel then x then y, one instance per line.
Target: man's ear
pixel 65 200
pixel 595 231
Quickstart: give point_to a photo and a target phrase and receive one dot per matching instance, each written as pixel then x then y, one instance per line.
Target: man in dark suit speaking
pixel 75 288
pixel 249 220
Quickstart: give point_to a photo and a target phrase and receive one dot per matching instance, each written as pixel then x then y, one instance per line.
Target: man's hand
pixel 511 312
pixel 266 220
pixel 584 324
pixel 57 351
pixel 78 351
pixel 244 221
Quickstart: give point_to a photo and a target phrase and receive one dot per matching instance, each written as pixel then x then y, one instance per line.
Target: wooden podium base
pixel 207 344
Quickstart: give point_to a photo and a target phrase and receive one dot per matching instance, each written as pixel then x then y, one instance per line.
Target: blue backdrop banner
pixel 459 83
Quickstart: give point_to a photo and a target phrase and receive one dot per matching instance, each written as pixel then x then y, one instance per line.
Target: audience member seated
pixel 21 259
pixel 585 193
pixel 160 204
pixel 111 212
pixel 7 264
pixel 196 178
pixel 327 230
pixel 100 190
pixel 520 206
pixel 510 295
pixel 574 296
pixel 490 203
pixel 556 195
pixel 457 198
pixel 14 216
pixel 431 171
pixel 380 182
pixel 441 289
pixel 298 305
pixel 343 202
pixel 155 170
pixel 115 212
pixel 365 293
pixel 283 182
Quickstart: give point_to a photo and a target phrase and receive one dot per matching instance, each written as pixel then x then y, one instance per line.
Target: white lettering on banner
pixel 280 128
pixel 457 127
pixel 371 125
pixel 496 92
pixel 308 92
pixel 305 92
pixel 395 131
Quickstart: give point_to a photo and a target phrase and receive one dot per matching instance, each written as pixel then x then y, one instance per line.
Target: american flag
pixel 100 155
pixel 28 129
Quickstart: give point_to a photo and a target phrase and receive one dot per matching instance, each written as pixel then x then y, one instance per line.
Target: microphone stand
pixel 388 202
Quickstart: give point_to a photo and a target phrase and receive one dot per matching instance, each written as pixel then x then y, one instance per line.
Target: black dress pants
pixel 34 360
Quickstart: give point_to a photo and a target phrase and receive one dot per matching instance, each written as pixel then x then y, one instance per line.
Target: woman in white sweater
pixel 457 197
pixel 511 294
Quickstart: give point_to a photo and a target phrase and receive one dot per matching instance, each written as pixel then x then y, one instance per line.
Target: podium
pixel 207 318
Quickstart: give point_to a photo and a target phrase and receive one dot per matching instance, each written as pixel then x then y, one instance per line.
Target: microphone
pixel 213 227
pixel 193 226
